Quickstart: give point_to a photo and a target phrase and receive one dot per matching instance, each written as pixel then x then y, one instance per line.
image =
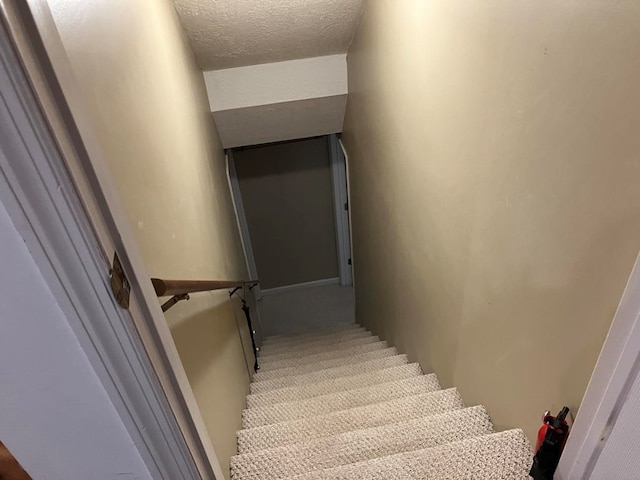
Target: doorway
pixel 292 204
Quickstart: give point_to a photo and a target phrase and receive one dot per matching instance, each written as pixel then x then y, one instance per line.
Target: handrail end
pixel 159 286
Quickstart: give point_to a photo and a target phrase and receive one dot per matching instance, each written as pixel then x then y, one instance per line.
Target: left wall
pixel 148 99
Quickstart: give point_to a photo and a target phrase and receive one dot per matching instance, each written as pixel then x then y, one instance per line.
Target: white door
pixel 339 180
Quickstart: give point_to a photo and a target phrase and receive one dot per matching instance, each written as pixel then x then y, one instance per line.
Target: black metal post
pixel 247 314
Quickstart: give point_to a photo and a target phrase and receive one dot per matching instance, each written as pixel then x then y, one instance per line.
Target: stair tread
pixel 320 347
pixel 344 400
pixel 301 338
pixel 318 331
pixel 498 456
pixel 282 347
pixel 341 404
pixel 301 392
pixel 360 445
pixel 312 336
pixel 323 364
pixel 328 373
pixel 335 355
pixel 382 413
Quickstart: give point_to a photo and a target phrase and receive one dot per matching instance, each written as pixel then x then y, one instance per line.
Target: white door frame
pixel 58 193
pixel 243 225
pixel 345 156
pixel 342 219
pixel 245 238
pixel 612 378
pixel 341 207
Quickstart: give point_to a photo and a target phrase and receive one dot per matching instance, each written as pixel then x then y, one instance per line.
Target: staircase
pixel 345 405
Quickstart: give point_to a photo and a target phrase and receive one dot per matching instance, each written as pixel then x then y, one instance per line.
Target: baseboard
pixel 299 286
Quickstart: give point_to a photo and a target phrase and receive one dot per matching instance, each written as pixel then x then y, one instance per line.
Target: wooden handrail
pixel 165 288
pixel 180 290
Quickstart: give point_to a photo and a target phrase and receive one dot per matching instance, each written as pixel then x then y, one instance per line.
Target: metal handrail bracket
pixel 180 290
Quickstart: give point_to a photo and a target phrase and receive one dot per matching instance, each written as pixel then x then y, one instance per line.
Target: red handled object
pixel 552 437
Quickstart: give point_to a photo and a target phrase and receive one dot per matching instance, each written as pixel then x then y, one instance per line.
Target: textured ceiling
pixel 235 33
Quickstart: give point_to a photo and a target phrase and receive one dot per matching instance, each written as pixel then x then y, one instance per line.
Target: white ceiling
pixel 278 101
pixel 278 82
pixel 277 122
pixel 234 33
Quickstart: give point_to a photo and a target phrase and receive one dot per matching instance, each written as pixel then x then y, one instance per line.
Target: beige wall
pixel 495 164
pixel 288 202
pixel 150 106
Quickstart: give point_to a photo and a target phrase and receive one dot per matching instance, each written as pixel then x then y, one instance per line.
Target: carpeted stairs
pixel 345 405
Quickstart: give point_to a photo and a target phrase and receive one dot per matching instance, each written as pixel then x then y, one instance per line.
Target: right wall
pixel 494 154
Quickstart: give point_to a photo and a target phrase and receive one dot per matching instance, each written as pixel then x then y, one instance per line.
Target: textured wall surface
pixel 288 202
pixel 234 33
pixel 148 99
pixel 495 165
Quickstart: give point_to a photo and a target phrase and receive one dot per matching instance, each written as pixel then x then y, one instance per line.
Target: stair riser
pixel 361 445
pixel 341 405
pixel 291 394
pixel 404 409
pixel 329 373
pixel 294 370
pixel 256 417
pixel 300 352
pixel 324 356
pixel 284 347
pixel 302 339
pixel 499 456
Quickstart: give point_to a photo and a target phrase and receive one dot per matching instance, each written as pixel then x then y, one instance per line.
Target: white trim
pixel 276 82
pixel 245 239
pixel 241 218
pixel 340 214
pixel 300 286
pixel 345 157
pixel 607 391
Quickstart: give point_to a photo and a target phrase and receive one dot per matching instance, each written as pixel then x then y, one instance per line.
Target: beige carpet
pixel 340 404
pixel 307 309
